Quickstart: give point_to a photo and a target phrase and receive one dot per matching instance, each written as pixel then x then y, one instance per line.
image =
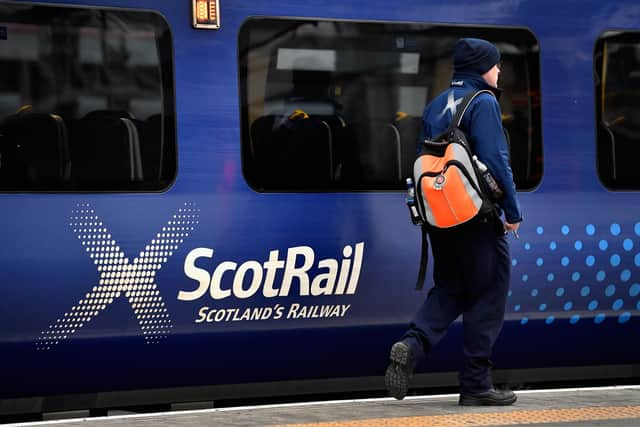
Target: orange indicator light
pixel 205 14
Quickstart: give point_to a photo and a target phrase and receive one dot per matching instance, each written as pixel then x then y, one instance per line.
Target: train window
pixel 86 100
pixel 337 105
pixel 617 94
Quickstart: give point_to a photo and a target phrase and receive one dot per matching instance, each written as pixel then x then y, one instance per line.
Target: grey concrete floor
pixel 419 406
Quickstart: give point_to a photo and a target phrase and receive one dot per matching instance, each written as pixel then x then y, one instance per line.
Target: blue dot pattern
pixel 615 229
pixel 610 290
pixel 615 260
pixel 603 282
pixel 625 275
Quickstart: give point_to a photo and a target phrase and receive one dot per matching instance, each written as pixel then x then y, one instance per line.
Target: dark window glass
pixel 617 85
pixel 337 106
pixel 86 100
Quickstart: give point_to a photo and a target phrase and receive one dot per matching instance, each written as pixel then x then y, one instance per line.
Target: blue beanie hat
pixel 475 55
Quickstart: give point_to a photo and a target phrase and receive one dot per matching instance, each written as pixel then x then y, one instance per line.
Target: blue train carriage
pixel 204 200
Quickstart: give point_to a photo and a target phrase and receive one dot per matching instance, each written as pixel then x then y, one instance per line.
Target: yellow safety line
pixel 479 419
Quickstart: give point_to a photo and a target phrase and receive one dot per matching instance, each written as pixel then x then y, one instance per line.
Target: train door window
pixel 337 106
pixel 617 94
pixel 86 99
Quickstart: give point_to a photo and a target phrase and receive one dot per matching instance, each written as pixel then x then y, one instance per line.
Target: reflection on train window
pixel 617 86
pixel 86 100
pixel 337 106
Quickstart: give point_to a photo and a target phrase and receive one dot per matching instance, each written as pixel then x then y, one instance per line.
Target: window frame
pixel 167 91
pixel 620 35
pixel 460 30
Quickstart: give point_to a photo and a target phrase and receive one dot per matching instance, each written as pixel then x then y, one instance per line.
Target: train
pixel 204 200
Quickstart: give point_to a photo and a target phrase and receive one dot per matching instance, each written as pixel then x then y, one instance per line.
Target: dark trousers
pixel 471 274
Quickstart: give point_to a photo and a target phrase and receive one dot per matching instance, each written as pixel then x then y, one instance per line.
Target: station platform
pixel 582 407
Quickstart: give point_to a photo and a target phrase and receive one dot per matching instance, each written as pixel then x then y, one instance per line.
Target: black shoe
pixel 400 370
pixel 491 397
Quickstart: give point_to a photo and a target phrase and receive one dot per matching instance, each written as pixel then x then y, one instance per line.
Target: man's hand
pixel 512 227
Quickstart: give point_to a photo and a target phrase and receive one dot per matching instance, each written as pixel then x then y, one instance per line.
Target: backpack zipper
pixel 444 194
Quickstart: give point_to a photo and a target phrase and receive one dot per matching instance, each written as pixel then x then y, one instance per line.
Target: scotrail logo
pixel 331 278
pixel 335 278
pixel 135 280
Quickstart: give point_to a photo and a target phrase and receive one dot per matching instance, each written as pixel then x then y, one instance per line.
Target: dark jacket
pixel 482 124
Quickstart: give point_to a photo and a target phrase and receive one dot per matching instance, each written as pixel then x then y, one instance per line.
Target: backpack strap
pixel 424 258
pixel 457 119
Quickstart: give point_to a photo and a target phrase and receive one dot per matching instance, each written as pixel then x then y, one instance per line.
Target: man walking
pixel 472 264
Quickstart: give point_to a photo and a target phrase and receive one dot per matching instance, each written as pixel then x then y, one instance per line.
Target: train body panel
pixel 211 282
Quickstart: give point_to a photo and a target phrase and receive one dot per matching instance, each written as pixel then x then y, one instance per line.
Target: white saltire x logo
pixel 136 280
pixel 452 105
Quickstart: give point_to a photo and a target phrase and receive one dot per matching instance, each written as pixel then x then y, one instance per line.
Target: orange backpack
pixel 449 187
pixel 449 184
